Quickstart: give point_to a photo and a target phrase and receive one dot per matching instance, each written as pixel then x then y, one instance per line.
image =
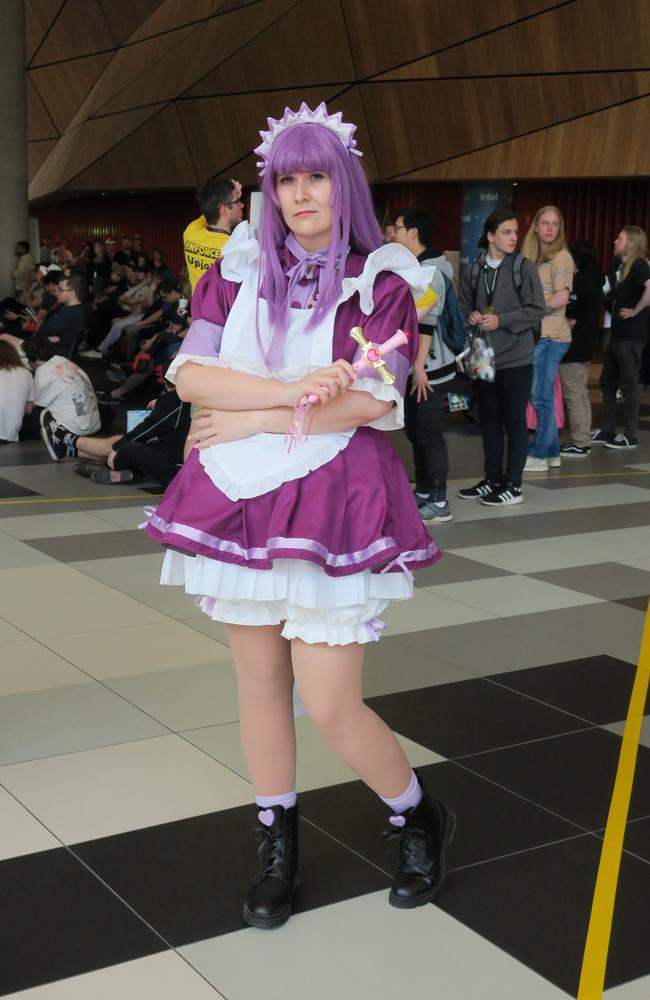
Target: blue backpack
pixel 452 325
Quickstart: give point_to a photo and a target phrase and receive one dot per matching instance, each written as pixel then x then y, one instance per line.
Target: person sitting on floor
pixel 153 449
pixel 62 389
pixel 16 391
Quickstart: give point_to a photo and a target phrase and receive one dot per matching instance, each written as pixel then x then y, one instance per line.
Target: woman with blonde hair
pixel 629 333
pixel 545 246
pixel 16 390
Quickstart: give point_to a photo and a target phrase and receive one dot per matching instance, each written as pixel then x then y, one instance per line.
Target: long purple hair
pixel 308 147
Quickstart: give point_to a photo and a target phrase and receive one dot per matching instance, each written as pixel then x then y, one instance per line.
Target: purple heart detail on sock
pixel 397 820
pixel 266 816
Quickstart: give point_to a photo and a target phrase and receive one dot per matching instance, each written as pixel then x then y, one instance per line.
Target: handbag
pixel 477 361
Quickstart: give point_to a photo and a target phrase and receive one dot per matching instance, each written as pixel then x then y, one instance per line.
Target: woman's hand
pixel 218 426
pixel 623 313
pixel 326 383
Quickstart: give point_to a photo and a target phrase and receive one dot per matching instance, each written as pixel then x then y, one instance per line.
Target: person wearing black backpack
pixel 500 292
pixel 434 368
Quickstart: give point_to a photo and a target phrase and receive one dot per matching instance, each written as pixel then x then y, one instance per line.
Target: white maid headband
pixel 305 116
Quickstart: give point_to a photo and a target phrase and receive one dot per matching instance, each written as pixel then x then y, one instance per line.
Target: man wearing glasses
pixel 221 205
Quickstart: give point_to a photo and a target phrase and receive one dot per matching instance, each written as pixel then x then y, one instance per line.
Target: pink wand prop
pixel 373 358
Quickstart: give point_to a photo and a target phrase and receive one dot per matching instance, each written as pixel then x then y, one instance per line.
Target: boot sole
pixel 269 923
pixel 428 897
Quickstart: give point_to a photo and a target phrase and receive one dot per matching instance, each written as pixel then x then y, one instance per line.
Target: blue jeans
pixel 548 355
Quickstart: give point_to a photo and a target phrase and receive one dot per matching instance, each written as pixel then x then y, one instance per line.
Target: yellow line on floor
pixel 594 962
pixel 131 496
pixel 536 477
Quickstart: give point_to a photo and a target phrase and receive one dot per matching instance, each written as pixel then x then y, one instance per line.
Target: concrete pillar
pixel 13 130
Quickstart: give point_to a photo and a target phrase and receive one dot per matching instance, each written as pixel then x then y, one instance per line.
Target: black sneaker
pixel 504 496
pixel 600 437
pixel 622 442
pixel 53 435
pixel 574 451
pixel 481 489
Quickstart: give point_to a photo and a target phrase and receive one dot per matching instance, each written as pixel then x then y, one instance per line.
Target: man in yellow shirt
pixel 204 239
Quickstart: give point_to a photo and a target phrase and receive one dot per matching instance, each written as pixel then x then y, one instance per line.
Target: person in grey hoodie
pixel 501 293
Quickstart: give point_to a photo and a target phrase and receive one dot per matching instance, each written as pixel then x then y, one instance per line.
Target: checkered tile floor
pixel 125 840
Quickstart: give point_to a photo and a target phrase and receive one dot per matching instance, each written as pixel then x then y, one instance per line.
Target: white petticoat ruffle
pixel 313 606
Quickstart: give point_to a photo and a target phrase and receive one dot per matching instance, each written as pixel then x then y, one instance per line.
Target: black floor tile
pixel 490 821
pixel 9 490
pixel 573 522
pixel 536 906
pixel 596 688
pixel 188 879
pixel 638 603
pixel 59 921
pixel 572 775
pixel 637 838
pixel 456 569
pixel 96 545
pixel 25 458
pixel 469 716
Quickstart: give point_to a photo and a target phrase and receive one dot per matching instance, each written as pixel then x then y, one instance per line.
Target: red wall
pixel 593 209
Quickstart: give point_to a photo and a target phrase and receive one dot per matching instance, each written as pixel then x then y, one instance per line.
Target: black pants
pixel 621 366
pixel 423 426
pixel 502 405
pixel 31 425
pixel 146 459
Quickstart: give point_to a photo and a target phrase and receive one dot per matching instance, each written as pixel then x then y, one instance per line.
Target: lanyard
pixel 489 288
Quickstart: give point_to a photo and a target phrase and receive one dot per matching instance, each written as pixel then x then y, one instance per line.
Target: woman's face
pixel 547 227
pixel 621 244
pixel 305 202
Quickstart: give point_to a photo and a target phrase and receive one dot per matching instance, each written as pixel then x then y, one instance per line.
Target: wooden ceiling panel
pixel 576 38
pixel 588 147
pixel 223 130
pixel 196 54
pixel 39 16
pixel 126 18
pixel 64 86
pixel 267 61
pixel 80 147
pixel 384 35
pixel 37 151
pixel 79 30
pixel 485 111
pixel 174 14
pixel 39 122
pixel 155 155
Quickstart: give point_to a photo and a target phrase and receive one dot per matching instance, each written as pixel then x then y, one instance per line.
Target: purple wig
pixel 307 147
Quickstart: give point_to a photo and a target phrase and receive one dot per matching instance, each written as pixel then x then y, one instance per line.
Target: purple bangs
pixel 302 148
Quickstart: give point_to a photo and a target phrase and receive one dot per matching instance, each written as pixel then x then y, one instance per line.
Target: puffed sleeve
pixel 212 301
pixel 393 310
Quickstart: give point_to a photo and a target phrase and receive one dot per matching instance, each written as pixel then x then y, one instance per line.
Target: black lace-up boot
pixel 268 903
pixel 424 836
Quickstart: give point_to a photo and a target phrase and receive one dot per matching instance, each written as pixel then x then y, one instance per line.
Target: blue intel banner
pixel 480 198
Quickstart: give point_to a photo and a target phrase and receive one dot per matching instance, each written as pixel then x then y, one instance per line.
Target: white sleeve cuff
pixel 180 359
pixel 392 420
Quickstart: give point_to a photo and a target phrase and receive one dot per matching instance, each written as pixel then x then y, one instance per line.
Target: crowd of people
pixel 546 311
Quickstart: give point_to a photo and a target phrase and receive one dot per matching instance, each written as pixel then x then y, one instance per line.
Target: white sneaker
pixel 94 355
pixel 554 462
pixel 535 464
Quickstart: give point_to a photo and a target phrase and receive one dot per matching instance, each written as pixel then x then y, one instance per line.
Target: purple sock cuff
pixel 287 800
pixel 408 799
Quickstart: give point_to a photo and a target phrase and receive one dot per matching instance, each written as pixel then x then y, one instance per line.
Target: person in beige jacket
pixel 545 246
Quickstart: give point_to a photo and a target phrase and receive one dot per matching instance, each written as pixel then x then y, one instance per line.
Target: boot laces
pixel 270 855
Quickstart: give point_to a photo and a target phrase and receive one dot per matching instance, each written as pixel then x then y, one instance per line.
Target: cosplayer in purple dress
pixel 299 550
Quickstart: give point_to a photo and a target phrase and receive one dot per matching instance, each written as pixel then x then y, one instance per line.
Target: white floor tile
pixel 512 595
pixel 127 516
pixel 14 553
pixel 427 609
pixel 56 600
pixel 530 556
pixel 10 634
pixel 138 576
pixel 29 666
pixel 438 956
pixel 52 525
pixel 98 793
pixel 138 649
pixel 67 719
pixel 159 977
pixel 318 766
pixel 185 698
pixel 638 989
pixel 20 832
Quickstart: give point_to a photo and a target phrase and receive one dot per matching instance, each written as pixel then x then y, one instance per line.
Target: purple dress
pixel 325 552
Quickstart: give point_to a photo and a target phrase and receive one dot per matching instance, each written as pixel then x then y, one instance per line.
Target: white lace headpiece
pixel 305 116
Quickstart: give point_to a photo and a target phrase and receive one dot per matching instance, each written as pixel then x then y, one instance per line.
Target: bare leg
pixel 90 447
pixel 329 681
pixel 265 685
